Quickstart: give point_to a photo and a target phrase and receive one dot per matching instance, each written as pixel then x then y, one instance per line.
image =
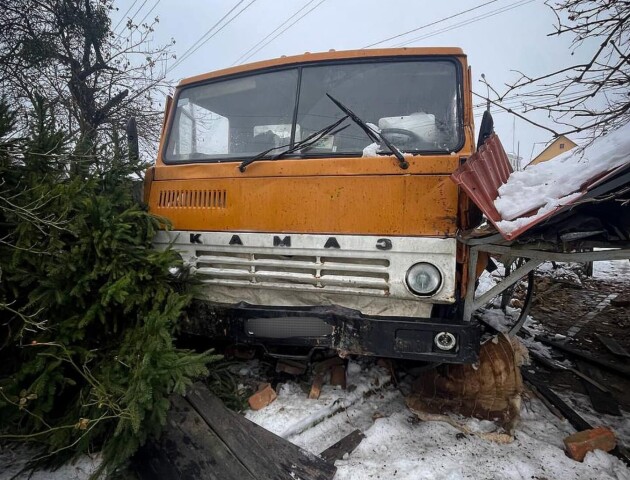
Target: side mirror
pixel 132 139
pixel 486 129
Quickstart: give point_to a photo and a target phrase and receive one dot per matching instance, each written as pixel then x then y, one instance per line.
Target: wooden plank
pixel 612 346
pixel 615 367
pixel 263 453
pixel 346 445
pixel 603 402
pixel 316 387
pixel 555 365
pixel 571 415
pixel 188 449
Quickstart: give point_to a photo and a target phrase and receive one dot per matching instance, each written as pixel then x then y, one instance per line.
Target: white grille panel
pixel 318 273
pixel 363 272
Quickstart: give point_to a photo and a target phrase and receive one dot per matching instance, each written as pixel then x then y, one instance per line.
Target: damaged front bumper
pixel 345 330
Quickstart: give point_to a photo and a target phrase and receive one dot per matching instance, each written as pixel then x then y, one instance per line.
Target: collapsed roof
pixel 582 194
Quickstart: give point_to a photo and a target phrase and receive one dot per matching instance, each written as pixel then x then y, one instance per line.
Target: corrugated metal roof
pixel 482 175
pixel 487 169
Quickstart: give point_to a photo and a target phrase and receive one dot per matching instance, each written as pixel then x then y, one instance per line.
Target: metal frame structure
pixel 534 256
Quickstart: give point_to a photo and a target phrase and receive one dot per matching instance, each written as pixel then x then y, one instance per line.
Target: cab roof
pixel 323 56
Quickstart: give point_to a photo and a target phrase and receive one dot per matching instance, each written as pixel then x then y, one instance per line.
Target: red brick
pixel 580 443
pixel 338 376
pixel 263 397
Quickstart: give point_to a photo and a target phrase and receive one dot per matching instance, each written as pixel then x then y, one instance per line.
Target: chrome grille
pixel 367 275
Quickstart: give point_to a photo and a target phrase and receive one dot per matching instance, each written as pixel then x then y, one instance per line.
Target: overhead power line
pixel 124 16
pixel 478 18
pixel 209 34
pixel 274 31
pixel 137 11
pixel 430 24
pixel 200 39
pixel 149 12
pixel 280 32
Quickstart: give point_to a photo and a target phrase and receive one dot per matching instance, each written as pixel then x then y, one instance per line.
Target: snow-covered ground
pixel 398 445
pixel 612 271
pixel 14 459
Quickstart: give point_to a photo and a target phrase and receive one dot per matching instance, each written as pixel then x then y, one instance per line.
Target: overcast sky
pixel 500 37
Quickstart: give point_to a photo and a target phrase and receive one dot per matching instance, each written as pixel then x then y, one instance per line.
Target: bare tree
pixel 592 96
pixel 95 78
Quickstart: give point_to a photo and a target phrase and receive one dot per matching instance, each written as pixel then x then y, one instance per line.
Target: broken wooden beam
pixel 602 401
pixel 257 446
pixel 206 441
pixel 188 449
pixel 316 387
pixel 555 365
pixel 338 376
pixel 344 446
pixel 615 367
pixel 612 346
pixel 571 415
pixel 291 367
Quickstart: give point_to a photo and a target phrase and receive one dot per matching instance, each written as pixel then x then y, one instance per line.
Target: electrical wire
pixel 274 31
pixel 429 24
pixel 280 33
pixel 202 41
pixel 467 22
pixel 134 15
pixel 125 15
pixel 208 31
pixel 149 12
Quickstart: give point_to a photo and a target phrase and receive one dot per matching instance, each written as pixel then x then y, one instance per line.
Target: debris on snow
pixel 580 443
pixel 490 390
pixel 263 397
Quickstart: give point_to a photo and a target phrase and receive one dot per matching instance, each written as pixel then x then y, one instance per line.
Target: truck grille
pixel 336 274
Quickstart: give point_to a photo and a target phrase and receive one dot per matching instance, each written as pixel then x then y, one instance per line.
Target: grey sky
pixel 515 39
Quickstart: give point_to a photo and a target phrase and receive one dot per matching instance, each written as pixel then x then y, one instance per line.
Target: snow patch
pixel 551 184
pixel 371 150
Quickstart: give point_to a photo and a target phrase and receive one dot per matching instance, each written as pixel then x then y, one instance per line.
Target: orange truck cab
pixel 311 197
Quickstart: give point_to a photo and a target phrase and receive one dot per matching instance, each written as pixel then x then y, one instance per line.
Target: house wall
pixel 559 145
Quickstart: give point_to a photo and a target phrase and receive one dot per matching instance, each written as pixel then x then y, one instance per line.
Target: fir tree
pixel 89 308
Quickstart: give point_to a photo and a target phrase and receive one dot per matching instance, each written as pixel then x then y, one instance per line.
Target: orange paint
pixel 317 195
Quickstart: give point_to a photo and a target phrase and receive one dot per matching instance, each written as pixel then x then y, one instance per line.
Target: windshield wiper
pixel 371 133
pixel 307 143
pixel 310 141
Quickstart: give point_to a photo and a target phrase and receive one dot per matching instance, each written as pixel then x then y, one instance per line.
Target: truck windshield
pixel 415 103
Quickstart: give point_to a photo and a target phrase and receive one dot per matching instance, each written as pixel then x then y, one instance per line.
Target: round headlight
pixel 424 279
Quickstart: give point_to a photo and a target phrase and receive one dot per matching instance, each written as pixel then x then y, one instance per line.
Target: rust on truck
pixel 312 197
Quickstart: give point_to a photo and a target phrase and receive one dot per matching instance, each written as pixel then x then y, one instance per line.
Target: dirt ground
pixel 596 305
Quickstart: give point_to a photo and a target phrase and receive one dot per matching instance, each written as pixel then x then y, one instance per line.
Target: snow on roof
pixel 549 185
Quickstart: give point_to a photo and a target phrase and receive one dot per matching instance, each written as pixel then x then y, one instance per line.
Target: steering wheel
pixel 394 134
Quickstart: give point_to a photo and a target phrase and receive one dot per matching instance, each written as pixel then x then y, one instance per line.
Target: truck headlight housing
pixel 424 279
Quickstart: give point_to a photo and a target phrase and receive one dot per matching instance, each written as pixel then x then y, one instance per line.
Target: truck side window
pixel 233 117
pixel 200 132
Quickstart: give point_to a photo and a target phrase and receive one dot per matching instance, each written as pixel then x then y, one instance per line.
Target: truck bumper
pixel 345 330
